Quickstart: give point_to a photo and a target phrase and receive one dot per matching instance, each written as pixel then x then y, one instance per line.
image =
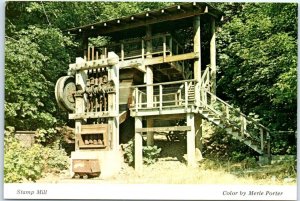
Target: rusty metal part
pixel 85 166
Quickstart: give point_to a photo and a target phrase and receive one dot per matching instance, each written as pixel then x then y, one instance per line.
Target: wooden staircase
pixel 241 127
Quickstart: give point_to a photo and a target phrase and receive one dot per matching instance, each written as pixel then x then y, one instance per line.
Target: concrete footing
pixel 110 162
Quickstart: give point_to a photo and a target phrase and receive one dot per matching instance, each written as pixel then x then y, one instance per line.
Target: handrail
pixel 242 114
pixel 163 83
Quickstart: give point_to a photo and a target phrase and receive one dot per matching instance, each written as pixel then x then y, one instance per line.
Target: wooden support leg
pixel 138 148
pixel 150 135
pixel 190 119
pixel 198 137
pixel 77 133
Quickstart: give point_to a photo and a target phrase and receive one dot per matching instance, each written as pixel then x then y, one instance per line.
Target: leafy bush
pixel 29 163
pixel 150 153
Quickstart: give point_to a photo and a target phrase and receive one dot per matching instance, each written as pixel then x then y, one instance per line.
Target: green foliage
pixel 129 153
pixel 222 146
pixel 34 59
pixel 150 153
pixel 258 60
pixel 28 164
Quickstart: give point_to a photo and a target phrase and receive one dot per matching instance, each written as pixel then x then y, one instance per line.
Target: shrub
pixel 150 153
pixel 29 163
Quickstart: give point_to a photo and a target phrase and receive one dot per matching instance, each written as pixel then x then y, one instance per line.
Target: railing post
pixel 143 49
pixel 160 97
pixel 186 94
pixel 136 99
pixel 122 52
pixel 141 100
pixel 170 45
pixel 105 52
pixel 262 140
pixel 179 98
pixel 164 47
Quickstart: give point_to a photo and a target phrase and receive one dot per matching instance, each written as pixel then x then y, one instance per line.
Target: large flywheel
pixel 65 89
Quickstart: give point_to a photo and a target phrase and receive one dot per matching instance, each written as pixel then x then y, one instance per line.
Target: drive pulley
pixel 65 90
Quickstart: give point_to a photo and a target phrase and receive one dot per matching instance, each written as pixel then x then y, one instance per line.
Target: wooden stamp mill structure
pixel 156 69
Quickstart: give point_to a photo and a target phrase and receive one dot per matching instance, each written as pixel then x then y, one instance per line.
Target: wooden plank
pixel 162 129
pixel 123 116
pixel 87 115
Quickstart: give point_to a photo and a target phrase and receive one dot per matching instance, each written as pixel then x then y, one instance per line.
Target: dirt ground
pixel 171 168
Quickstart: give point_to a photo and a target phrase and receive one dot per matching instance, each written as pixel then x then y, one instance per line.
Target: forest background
pixel 256 63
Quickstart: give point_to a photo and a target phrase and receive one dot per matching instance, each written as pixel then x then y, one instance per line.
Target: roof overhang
pixel 172 13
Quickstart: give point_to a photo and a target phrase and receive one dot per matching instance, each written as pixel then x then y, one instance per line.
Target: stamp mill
pixel 157 68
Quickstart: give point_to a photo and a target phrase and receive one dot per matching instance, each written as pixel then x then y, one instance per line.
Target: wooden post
pixel 190 120
pixel 164 47
pixel 113 107
pixel 171 46
pixel 122 52
pixel 198 137
pixel 89 54
pixel 197 49
pixel 186 95
pixel 262 140
pixel 160 97
pixel 213 56
pixel 138 146
pixel 93 53
pixel 79 103
pixel 97 55
pixel 136 92
pixel 149 81
pixel 143 49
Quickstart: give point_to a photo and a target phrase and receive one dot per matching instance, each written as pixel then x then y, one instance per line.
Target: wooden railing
pixel 161 44
pixel 163 95
pixel 247 126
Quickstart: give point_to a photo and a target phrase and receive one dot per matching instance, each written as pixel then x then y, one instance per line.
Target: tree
pixel 258 59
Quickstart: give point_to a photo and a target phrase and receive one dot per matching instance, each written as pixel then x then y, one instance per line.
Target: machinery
pixel 89 94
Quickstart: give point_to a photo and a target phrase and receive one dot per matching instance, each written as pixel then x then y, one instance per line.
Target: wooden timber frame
pixel 164 96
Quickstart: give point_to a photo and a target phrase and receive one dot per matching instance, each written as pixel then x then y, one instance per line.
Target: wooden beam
pixel 162 129
pixel 180 57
